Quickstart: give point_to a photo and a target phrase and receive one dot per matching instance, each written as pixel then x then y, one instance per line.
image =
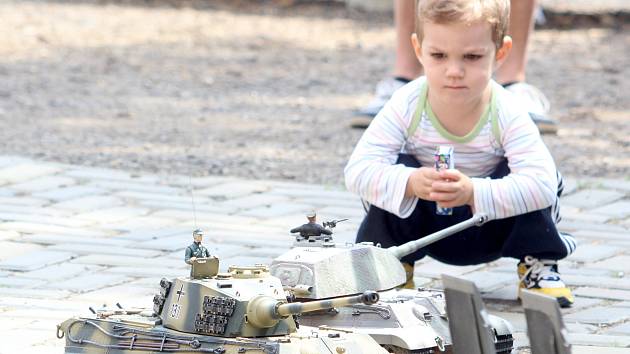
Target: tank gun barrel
pixel 265 312
pixel 412 246
pixel 367 298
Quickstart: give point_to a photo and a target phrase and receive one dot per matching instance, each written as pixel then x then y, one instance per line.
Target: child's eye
pixel 438 55
pixel 473 56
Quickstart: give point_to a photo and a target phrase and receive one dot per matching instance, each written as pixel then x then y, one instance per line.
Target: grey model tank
pixel 404 320
pixel 242 311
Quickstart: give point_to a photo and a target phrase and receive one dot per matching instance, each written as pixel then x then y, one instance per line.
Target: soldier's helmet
pixel 197 232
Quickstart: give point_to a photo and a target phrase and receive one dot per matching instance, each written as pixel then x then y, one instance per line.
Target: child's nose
pixel 455 69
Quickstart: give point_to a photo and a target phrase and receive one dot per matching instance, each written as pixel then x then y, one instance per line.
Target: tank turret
pixel 311 269
pixel 244 302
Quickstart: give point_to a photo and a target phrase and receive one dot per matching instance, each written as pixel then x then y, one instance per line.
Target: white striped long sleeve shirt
pixel 531 184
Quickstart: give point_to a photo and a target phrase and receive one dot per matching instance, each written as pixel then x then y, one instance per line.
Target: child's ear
pixel 503 52
pixel 417 46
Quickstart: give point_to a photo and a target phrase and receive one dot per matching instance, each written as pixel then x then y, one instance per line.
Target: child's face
pixel 458 59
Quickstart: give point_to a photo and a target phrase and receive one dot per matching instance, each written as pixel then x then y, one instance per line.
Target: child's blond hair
pixel 494 12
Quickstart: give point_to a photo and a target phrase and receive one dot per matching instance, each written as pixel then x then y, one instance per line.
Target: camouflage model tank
pixel 404 320
pixel 242 311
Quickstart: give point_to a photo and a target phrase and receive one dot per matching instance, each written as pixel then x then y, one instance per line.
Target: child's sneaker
pixel 541 275
pixel 384 91
pixel 537 104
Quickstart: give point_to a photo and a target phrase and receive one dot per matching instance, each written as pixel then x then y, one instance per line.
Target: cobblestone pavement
pixel 73 237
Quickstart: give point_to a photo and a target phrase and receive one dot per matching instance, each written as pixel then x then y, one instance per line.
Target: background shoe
pixel 537 104
pixel 542 276
pixel 383 92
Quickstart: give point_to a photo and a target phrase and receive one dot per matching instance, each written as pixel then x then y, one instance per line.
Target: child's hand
pixel 420 181
pixel 452 189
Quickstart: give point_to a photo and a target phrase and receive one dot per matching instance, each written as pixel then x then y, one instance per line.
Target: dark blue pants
pixel 532 234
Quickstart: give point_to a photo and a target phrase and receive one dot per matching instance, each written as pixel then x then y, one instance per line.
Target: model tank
pixel 404 320
pixel 242 311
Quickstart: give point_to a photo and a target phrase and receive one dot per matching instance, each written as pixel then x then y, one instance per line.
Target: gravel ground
pixel 262 91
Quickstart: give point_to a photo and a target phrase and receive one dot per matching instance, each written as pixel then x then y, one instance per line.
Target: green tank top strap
pixel 422 100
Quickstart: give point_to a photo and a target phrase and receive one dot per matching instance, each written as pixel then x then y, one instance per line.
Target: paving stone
pixel 488 281
pixel 322 202
pixel 32 209
pixel 176 196
pixel 142 222
pixel 8 160
pixel 588 253
pixel 53 239
pixel 51 229
pixel 153 234
pixel 590 349
pixel 232 190
pixel 10 202
pixel 6 192
pixel 44 219
pixel 34 293
pixel 601 293
pixel 266 252
pixel 435 269
pixel 206 181
pixel 112 260
pixel 355 212
pixel 601 235
pixel 256 200
pixel 243 228
pixel 570 186
pixel 615 210
pixel 507 293
pixel 588 198
pixel 43 184
pixel 599 340
pixel 127 296
pixel 617 184
pixel 622 330
pixel 88 203
pixel 185 208
pixel 137 189
pixel 580 328
pixel 58 315
pixel 599 315
pixel 71 192
pixel 251 240
pixel 601 282
pixel 277 210
pixel 15 341
pixel 37 260
pixel 90 282
pixel 112 215
pixel 26 171
pixel 87 249
pixel 61 271
pixel 152 271
pixel 10 249
pixel 617 263
pixel 305 194
pixel 19 282
pixel 108 175
pixel 575 214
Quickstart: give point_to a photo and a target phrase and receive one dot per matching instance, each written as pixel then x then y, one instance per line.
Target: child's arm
pixel 530 185
pixel 372 171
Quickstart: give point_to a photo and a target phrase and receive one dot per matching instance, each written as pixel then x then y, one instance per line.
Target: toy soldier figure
pixel 312 228
pixel 196 249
